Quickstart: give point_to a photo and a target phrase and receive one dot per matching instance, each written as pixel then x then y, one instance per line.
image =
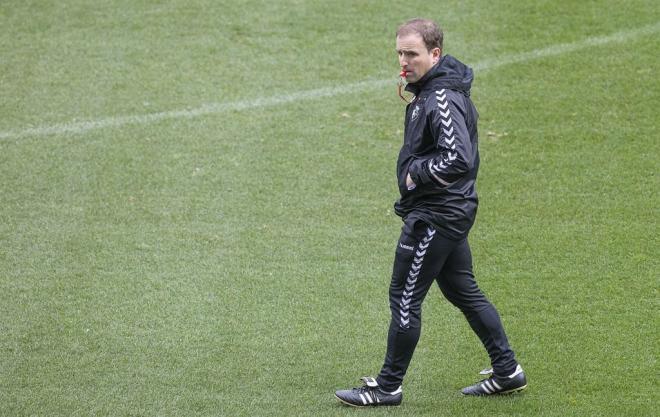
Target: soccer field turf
pixel 196 206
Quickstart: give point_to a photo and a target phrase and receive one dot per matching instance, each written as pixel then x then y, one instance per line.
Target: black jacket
pixel 440 151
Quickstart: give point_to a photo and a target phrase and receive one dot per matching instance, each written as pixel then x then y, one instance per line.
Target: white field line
pixel 75 127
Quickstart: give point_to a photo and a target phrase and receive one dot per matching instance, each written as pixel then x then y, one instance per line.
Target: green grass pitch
pixel 196 206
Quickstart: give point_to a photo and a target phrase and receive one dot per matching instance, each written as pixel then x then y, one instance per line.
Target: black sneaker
pixel 496 385
pixel 370 394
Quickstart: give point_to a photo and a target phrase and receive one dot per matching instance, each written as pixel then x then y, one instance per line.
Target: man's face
pixel 414 58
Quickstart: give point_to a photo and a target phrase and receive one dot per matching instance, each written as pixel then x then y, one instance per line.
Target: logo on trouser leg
pixel 406 296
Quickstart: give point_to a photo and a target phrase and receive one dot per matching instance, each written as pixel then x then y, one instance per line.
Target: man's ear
pixel 437 54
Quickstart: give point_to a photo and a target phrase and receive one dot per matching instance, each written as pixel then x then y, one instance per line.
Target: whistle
pixel 402 77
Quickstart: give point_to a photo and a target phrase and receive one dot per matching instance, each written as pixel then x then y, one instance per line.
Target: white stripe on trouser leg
pixel 416 266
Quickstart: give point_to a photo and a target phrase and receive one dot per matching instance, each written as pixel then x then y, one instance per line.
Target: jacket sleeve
pixel 453 155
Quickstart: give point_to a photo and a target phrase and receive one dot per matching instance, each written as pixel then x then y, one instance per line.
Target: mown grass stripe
pixel 362 86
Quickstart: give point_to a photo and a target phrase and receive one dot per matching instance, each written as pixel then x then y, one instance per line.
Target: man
pixel 437 169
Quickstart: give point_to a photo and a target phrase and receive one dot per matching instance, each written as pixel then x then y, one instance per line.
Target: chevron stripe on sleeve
pixel 438 165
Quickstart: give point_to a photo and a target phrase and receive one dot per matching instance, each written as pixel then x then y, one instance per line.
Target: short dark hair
pixel 429 31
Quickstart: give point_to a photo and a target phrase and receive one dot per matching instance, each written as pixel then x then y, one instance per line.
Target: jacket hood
pixel 449 73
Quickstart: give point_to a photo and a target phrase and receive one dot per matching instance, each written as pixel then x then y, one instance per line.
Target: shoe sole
pixel 365 405
pixel 511 391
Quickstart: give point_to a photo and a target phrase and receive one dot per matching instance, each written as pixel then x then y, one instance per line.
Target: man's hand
pixel 409 183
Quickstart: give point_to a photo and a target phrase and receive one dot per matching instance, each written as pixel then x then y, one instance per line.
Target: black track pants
pixel 422 256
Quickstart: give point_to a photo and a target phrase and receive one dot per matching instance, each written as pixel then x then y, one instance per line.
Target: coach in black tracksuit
pixel 440 155
pixel 437 170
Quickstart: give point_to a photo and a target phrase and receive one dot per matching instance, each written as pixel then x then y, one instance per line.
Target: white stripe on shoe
pixel 484 386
